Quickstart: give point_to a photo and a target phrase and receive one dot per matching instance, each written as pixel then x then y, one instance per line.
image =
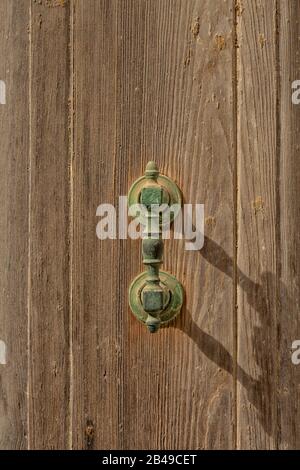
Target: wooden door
pixel 93 90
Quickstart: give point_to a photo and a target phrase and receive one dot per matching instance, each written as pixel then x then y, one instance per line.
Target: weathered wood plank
pixel 14 131
pixel 257 224
pixel 95 267
pixel 289 288
pixel 153 80
pixel 49 225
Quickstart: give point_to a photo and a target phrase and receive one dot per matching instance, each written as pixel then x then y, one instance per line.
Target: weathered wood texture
pixel 268 224
pixel 49 383
pixel 289 206
pixel 95 89
pixel 96 302
pixel 257 261
pixel 152 81
pixel 14 131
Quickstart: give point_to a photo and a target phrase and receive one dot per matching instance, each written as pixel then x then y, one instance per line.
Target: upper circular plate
pixel 167 184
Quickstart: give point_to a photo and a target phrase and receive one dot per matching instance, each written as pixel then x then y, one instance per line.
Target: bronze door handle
pixel 155 297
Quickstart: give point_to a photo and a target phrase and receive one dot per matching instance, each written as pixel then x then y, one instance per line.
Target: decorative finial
pixel 152 170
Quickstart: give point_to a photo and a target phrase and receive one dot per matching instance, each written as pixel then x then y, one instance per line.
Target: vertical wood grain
pixel 95 269
pixel 95 89
pixel 153 80
pixel 49 225
pixel 14 117
pixel 289 288
pixel 257 224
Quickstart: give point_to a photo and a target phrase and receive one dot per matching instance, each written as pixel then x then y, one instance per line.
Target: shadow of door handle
pixel 155 297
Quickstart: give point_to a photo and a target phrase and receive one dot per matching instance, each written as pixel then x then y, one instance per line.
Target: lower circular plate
pixel 174 305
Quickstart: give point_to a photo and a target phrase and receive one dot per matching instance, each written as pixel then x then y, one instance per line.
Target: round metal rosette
pixel 173 306
pixel 172 204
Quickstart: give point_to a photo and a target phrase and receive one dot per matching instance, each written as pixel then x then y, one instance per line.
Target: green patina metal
pixel 155 297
